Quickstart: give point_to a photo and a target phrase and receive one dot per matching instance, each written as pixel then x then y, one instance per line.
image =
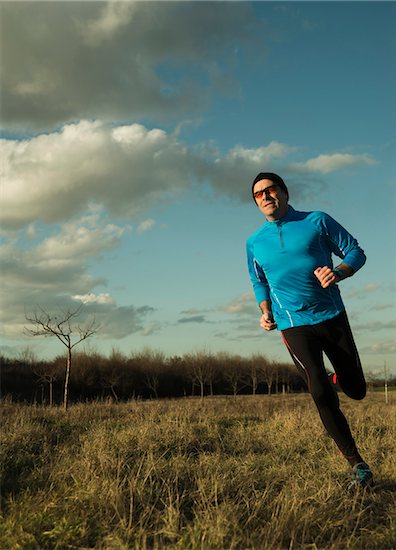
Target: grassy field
pixel 226 473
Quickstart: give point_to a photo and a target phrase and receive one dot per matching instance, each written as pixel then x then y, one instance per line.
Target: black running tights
pixel 306 345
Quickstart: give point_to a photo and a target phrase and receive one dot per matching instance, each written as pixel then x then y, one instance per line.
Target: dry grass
pixel 243 473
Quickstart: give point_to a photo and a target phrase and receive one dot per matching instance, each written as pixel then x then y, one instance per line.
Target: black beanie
pixel 272 177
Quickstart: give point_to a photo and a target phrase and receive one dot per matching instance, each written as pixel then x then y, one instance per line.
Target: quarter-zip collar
pixel 287 217
pixel 290 214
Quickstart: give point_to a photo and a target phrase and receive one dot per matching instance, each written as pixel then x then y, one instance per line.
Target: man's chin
pixel 270 208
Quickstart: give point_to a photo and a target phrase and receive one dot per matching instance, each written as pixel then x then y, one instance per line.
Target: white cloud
pixel 112 17
pixel 91 298
pixel 376 325
pixel 124 169
pixel 362 292
pixel 114 322
pixel 381 307
pixel 330 163
pixel 194 319
pixel 234 171
pixel 53 177
pixel 383 347
pixel 145 225
pixel 64 61
pixel 54 275
pixel 262 155
pixel 54 269
pixel 195 311
pixel 31 231
pixel 77 240
pixel 151 328
pixel 245 304
pixel 121 321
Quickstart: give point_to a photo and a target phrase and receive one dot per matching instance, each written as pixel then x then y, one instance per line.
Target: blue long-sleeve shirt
pixel 282 256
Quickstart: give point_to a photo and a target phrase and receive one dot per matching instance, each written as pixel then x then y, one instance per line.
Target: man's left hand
pixel 326 276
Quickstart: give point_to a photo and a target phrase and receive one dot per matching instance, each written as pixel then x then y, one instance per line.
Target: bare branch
pixel 61 327
pixel 44 326
pixel 86 332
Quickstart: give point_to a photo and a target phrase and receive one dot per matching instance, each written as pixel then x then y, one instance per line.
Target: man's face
pixel 273 202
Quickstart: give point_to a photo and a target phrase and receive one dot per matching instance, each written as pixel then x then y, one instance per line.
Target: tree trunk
pixel 114 394
pixel 51 382
pixel 67 378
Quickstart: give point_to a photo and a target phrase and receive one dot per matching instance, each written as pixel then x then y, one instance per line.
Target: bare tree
pixel 152 364
pixel 46 373
pixel 202 370
pixel 233 371
pixel 253 376
pixel 65 329
pixel 27 356
pixel 286 371
pixel 255 371
pixel 269 374
pixel 266 370
pixel 196 371
pixel 111 372
pixel 211 372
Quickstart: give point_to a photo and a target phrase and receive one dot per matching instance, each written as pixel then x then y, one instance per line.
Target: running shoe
pixel 362 477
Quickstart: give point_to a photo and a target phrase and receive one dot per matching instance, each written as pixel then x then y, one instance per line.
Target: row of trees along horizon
pixel 147 374
pixel 144 375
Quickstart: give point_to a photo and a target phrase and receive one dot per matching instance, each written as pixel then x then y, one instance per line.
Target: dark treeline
pixel 148 375
pixel 144 375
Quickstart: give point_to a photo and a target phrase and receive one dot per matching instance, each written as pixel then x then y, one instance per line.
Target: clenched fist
pixel 326 276
pixel 267 321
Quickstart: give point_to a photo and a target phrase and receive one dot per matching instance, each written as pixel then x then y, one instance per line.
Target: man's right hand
pixel 267 321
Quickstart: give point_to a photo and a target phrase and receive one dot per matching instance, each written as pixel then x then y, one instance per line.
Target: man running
pixel 295 284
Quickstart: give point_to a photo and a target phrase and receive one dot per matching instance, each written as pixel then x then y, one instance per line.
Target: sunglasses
pixel 267 191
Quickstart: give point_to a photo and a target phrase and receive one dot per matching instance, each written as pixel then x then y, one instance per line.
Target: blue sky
pixel 131 134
